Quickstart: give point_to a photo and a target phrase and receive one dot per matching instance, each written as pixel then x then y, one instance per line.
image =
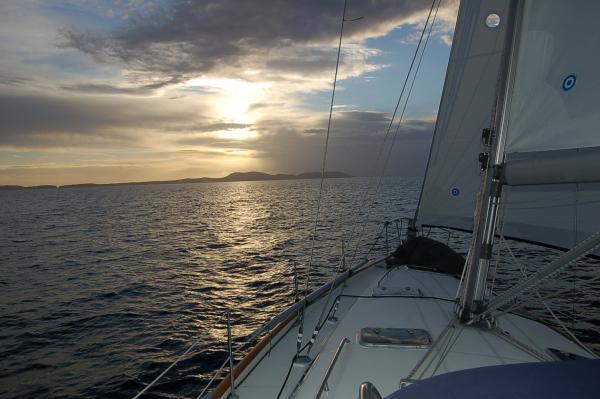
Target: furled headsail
pixel 551 120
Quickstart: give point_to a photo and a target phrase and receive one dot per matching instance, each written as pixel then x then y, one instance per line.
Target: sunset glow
pixel 127 90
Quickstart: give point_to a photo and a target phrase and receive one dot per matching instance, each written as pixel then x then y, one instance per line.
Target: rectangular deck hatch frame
pixel 394 337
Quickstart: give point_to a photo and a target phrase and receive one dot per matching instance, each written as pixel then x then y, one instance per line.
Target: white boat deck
pixel 455 346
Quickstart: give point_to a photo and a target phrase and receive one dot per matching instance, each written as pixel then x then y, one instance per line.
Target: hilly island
pixel 232 177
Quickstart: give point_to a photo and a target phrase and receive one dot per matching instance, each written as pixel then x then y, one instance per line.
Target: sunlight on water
pixel 103 287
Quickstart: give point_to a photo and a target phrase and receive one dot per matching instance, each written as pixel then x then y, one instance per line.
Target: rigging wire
pixel 537 293
pixel 366 193
pixel 384 166
pixel 165 371
pixel 365 196
pixel 499 230
pixel 394 136
pixel 287 376
pixel 389 128
pixel 320 195
pixel 461 281
pixel 323 171
pixel 321 321
pixel 179 358
pixel 524 302
pixel 427 24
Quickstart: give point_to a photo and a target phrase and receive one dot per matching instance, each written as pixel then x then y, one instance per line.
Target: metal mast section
pixel 491 161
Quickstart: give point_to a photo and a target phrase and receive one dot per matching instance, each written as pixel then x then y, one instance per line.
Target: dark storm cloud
pixel 12 80
pixel 102 88
pixel 43 122
pixel 95 88
pixel 368 125
pixel 200 36
pixel 350 128
pixel 356 138
pixel 35 121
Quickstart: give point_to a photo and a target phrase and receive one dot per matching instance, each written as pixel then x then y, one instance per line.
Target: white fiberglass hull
pixel 380 298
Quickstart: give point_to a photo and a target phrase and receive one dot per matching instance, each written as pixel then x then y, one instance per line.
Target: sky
pixel 132 90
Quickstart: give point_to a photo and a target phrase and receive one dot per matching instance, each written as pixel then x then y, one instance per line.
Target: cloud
pixel 40 121
pixel 216 85
pixel 9 79
pixel 356 137
pixel 47 123
pixel 106 88
pixel 193 38
pixel 222 126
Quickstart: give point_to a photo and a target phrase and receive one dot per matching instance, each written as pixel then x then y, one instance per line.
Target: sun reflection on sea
pixel 245 265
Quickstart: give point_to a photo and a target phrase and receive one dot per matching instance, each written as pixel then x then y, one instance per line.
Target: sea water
pixel 101 288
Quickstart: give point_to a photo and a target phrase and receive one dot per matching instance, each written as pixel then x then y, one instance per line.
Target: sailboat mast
pixel 491 161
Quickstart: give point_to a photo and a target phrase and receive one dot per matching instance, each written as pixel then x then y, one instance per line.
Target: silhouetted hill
pixel 255 176
pixel 317 175
pixel 235 176
pixel 15 187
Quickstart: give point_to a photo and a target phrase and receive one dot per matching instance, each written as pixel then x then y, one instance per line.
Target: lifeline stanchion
pixel 387 242
pixel 231 376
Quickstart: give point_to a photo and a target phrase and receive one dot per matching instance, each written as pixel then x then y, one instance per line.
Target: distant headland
pixel 232 177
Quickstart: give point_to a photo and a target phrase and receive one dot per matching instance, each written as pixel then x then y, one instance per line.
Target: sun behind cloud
pixel 118 92
pixel 233 99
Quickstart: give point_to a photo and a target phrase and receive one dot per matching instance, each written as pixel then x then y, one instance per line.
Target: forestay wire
pixel 324 163
pixel 405 85
pixel 416 54
pixel 323 169
pixel 375 172
pixel 399 123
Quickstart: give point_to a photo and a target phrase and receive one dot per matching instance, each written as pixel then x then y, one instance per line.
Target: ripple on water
pixel 216 245
pixel 104 287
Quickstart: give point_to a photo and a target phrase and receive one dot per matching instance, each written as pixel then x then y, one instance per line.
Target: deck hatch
pixel 385 290
pixel 394 337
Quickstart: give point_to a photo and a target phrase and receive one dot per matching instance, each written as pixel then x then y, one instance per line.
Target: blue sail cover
pixel 546 380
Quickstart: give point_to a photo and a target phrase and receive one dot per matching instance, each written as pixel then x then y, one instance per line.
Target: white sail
pixel 452 179
pixel 559 215
pixel 552 120
pixel 556 91
pixel 552 125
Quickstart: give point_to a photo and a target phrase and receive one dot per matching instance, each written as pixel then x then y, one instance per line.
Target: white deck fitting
pixel 467 347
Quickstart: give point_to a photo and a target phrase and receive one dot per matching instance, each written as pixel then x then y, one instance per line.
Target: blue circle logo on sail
pixel 455 192
pixel 569 82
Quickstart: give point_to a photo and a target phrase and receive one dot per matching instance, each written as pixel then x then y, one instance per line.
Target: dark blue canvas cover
pixel 546 380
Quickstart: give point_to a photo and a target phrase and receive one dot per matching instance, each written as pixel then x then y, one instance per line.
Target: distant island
pixel 232 177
